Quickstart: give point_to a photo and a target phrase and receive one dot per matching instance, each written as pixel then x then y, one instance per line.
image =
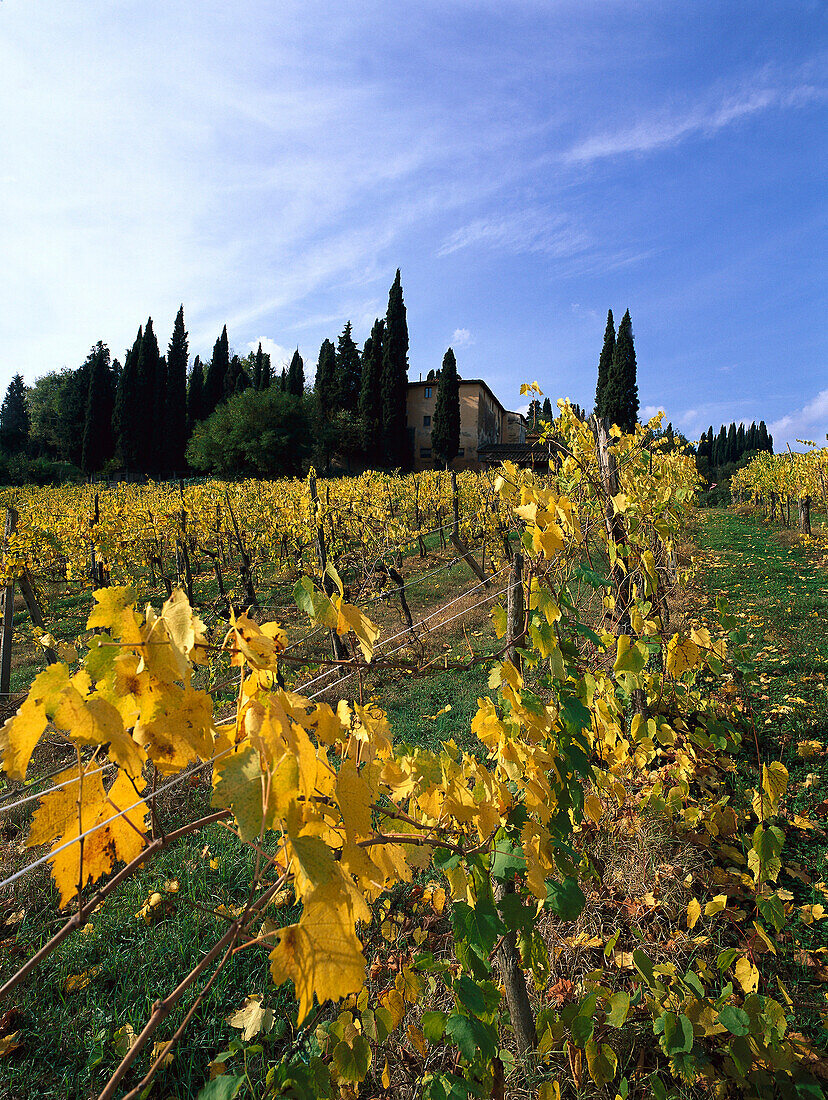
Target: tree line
pixel 732 445
pixel 156 416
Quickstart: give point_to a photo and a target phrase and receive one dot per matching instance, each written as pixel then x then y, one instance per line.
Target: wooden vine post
pixel 458 543
pixel 182 554
pixel 32 604
pixel 805 514
pixel 246 564
pixel 515 612
pixel 96 568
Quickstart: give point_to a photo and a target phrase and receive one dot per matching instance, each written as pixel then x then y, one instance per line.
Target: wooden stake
pixel 515 614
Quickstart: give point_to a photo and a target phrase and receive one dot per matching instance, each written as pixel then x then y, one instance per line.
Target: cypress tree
pixel 534 414
pixel 283 380
pixel 160 440
pixel 720 447
pixel 242 381
pixel 231 377
pixel 216 372
pixel 394 379
pixel 98 434
pixel 257 370
pixel 325 383
pixel 621 392
pixel 731 443
pixel 145 412
pixel 266 373
pixel 195 396
pixel 764 441
pixel 740 442
pixel 127 409
pixel 604 366
pixel 348 371
pixel 14 417
pixel 296 375
pixel 702 449
pixel 445 428
pixel 546 412
pixel 174 429
pixel 370 397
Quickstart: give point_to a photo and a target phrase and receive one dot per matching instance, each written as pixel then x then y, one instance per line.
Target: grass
pixel 777 585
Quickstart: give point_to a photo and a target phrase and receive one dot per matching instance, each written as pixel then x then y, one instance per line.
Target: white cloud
pixel 461 338
pixel 649 411
pixel 534 230
pixel 279 356
pixel 708 118
pixel 809 422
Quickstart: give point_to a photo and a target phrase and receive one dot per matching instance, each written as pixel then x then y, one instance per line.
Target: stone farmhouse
pixel 488 431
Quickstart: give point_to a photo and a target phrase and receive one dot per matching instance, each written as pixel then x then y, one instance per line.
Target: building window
pixel 426 421
pixel 425 452
pixel 428 391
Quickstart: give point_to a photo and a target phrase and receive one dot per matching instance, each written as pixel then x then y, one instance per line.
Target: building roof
pixel 515 452
pixel 468 382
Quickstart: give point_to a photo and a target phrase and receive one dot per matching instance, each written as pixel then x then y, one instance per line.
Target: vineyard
pixel 418 786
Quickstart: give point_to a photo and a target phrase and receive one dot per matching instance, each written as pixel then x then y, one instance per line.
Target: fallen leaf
pixel 562 992
pixel 8 1043
pixel 76 982
pixel 156 1050
pixel 252 1017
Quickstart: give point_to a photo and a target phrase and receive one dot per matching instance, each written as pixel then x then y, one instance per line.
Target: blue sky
pixel 528 164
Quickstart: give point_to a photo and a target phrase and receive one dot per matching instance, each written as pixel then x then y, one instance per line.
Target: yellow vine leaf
pixel 57 820
pixel 602 1062
pixel 120 840
pixel 746 975
pixel 354 799
pixel 96 722
pixel 715 905
pixel 810 913
pixel 238 786
pixel 774 781
pixel 351 618
pixel 321 954
pixel 693 912
pixel 549 1090
pixel 682 656
pixel 115 612
pixel 180 731
pixel 408 985
pixel 20 734
pixel 391 1000
pixel 185 629
pixel 417 1039
pixel 631 657
pixel 549 540
pixel 593 808
pixel 257 646
pixel 252 1018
